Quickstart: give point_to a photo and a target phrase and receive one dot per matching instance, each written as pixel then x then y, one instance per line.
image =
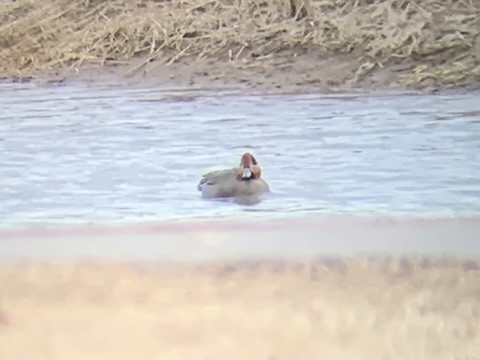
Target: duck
pixel 240 182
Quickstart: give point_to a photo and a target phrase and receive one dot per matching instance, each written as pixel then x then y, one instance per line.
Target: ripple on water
pixel 75 153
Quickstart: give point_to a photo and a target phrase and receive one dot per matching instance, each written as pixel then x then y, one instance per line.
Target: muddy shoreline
pixel 300 76
pixel 296 75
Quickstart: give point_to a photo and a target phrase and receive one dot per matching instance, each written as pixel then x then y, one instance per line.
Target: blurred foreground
pixel 297 289
pixel 331 308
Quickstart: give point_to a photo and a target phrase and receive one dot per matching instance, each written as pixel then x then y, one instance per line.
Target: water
pixel 75 153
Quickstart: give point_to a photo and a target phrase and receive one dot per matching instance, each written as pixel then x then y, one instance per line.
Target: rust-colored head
pixel 249 168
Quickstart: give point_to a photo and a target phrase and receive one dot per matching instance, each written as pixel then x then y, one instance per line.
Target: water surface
pixel 74 153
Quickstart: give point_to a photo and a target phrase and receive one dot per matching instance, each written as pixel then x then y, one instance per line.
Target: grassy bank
pixel 432 43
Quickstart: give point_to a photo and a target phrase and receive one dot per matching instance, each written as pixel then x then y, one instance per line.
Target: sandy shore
pixel 323 287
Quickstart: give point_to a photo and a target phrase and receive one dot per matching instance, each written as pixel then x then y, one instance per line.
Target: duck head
pixel 249 168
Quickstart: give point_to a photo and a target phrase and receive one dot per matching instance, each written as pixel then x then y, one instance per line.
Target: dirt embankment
pixel 274 44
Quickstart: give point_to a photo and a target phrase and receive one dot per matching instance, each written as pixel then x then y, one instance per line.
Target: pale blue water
pixel 75 153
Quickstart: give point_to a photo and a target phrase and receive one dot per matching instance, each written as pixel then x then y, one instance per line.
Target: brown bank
pixel 274 45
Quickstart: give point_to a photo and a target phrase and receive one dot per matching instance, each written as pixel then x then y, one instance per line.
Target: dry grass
pixel 438 40
pixel 325 309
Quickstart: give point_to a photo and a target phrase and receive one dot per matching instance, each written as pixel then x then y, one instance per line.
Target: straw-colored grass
pixel 327 309
pixel 439 40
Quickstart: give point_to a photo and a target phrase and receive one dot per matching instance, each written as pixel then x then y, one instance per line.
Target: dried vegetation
pixel 437 40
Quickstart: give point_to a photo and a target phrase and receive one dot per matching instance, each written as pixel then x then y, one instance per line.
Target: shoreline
pixel 212 240
pixel 184 90
pixel 217 76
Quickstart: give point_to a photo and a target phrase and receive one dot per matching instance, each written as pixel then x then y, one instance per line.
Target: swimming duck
pixel 243 181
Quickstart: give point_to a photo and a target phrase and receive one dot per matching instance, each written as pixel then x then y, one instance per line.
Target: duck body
pixel 243 181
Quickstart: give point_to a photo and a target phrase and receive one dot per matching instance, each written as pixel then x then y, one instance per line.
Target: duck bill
pixel 246 174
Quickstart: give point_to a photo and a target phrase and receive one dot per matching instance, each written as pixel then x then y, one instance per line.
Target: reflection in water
pixel 74 153
pixel 248 200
